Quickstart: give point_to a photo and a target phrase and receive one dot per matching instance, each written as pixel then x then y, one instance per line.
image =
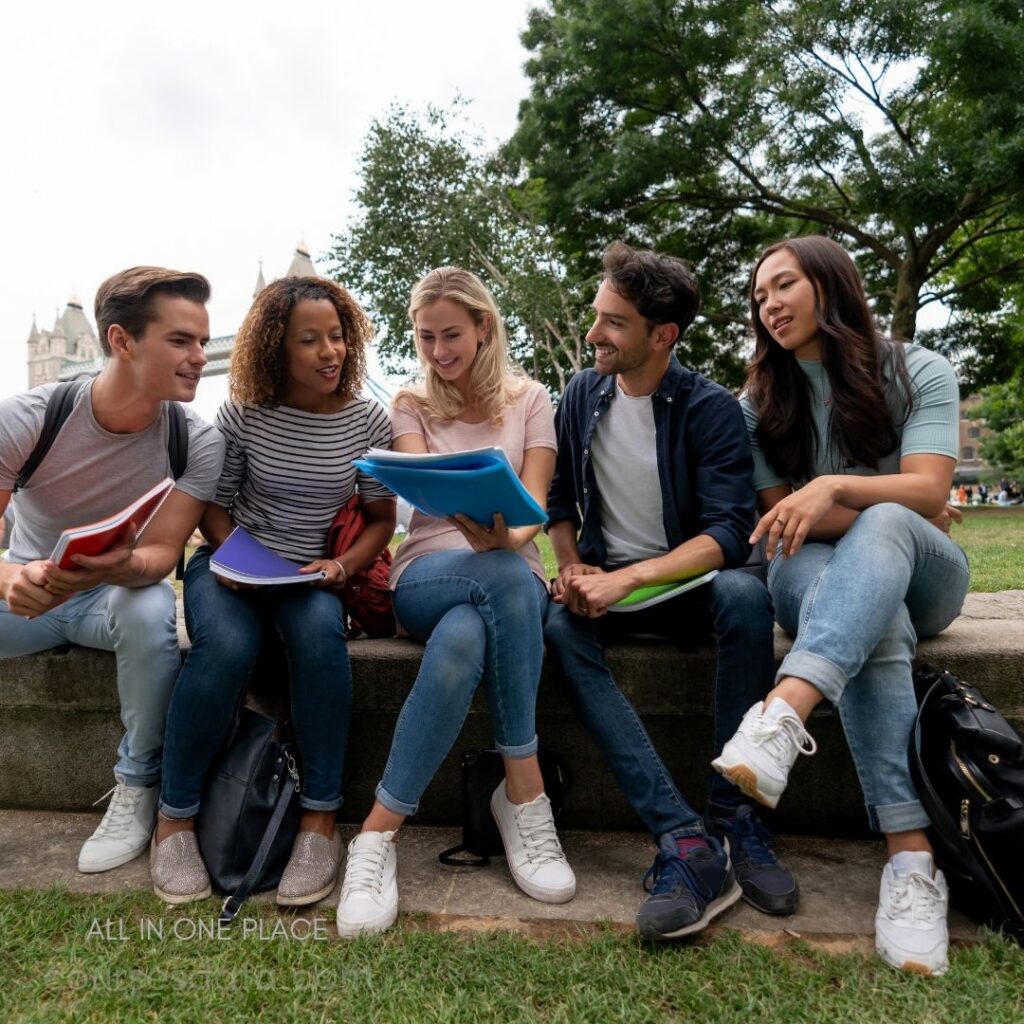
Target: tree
pixel 1002 409
pixel 707 127
pixel 427 198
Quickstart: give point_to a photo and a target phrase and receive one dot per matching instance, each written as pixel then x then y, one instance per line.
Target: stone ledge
pixel 64 703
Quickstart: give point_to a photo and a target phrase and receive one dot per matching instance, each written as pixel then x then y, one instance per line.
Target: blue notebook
pixel 244 559
pixel 476 483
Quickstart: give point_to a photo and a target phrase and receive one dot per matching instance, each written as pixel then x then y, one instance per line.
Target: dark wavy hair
pixel 663 288
pixel 866 370
pixel 258 366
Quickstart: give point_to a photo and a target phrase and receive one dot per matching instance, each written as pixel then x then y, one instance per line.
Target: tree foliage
pixel 1002 409
pixel 708 127
pixel 428 197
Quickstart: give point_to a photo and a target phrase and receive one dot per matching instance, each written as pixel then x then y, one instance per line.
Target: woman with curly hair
pixel 855 442
pixel 475 595
pixel 293 425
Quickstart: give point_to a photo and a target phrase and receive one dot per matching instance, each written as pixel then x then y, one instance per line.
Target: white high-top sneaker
pixel 124 831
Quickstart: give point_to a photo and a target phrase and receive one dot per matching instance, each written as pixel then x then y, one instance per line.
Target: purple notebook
pixel 244 559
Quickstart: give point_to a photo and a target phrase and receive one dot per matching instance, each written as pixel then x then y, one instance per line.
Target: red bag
pixel 365 594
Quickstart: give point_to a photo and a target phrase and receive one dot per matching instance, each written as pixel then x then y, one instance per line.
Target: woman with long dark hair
pixel 855 441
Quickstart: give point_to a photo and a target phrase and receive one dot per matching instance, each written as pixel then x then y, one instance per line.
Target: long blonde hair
pixel 492 378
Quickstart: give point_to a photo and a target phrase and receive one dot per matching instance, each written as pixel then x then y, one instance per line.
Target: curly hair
pixel 259 371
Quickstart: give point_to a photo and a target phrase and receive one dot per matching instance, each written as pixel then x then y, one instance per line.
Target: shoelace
pixel 916 896
pixel 120 812
pixel 668 873
pixel 779 733
pixel 751 837
pixel 365 871
pixel 539 838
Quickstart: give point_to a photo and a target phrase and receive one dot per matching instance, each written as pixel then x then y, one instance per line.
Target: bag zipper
pixel 968 774
pixel 968 836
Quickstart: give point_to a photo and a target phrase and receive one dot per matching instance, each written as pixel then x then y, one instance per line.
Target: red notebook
pixel 95 538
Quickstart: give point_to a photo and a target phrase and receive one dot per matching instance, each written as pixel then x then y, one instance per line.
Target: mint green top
pixel 932 427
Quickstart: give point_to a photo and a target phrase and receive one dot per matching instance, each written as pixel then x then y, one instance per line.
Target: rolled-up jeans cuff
pixel 694 831
pixel 827 678
pixel 518 753
pixel 177 814
pixel 393 804
pixel 320 805
pixel 899 817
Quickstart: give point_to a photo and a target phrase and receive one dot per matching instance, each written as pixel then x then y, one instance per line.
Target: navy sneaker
pixel 686 892
pixel 767 884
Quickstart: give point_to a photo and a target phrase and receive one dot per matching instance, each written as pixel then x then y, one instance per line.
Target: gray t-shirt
pixel 90 473
pixel 932 427
pixel 625 456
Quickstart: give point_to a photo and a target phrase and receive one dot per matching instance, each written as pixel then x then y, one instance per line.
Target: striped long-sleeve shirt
pixel 287 472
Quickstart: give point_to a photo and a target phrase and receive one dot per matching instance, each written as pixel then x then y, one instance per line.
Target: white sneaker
pixel 369 894
pixel 758 758
pixel 124 831
pixel 532 849
pixel 910 926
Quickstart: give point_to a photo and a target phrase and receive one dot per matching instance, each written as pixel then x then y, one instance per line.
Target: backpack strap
pixel 58 409
pixel 177 455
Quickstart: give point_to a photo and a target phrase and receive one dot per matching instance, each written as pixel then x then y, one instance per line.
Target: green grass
pixel 52 970
pixel 993 539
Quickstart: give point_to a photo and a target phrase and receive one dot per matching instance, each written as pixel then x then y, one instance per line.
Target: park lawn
pixel 102 958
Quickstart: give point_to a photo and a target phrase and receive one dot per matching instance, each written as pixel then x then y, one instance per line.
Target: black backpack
pixel 58 409
pixel 967 763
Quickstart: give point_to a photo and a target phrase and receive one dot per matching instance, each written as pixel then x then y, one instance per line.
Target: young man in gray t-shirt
pixel 153 328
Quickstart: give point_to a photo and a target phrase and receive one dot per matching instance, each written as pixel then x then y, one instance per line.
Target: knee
pixel 740 601
pixel 885 518
pixel 312 615
pixel 144 613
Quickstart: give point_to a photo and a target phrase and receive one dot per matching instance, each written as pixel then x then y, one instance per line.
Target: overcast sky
pixel 205 136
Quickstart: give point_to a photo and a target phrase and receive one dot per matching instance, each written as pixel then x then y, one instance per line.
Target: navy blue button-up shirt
pixel 704 462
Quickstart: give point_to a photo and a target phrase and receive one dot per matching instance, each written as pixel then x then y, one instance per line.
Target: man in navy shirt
pixel 653 483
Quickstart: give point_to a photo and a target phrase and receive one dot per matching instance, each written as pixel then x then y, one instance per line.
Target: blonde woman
pixel 475 595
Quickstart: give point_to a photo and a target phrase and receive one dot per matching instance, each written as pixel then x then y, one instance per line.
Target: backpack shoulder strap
pixel 58 409
pixel 177 439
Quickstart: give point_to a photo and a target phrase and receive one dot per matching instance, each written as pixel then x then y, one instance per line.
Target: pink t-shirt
pixel 528 422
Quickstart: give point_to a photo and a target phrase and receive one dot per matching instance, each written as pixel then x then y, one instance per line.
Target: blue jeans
pixel 857 608
pixel 227 630
pixel 733 610
pixel 480 615
pixel 139 624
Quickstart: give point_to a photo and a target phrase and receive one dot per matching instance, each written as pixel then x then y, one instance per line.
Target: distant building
pixel 970 465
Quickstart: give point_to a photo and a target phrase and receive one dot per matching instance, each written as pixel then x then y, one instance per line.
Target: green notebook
pixel 644 597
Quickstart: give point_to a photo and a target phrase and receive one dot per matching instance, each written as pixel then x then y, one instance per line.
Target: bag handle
pixel 233 904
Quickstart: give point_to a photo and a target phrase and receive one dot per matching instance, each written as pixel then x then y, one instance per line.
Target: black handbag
pixel 967 763
pixel 249 814
pixel 482 771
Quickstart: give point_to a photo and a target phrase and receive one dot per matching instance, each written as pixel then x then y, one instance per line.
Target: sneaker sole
pixel 562 895
pixel 306 898
pixel 177 899
pixel 745 778
pixel 714 908
pixel 353 929
pixel 913 966
pixel 95 867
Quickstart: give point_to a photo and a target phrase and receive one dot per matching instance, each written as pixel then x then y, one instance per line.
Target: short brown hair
pixel 126 299
pixel 259 367
pixel 663 288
